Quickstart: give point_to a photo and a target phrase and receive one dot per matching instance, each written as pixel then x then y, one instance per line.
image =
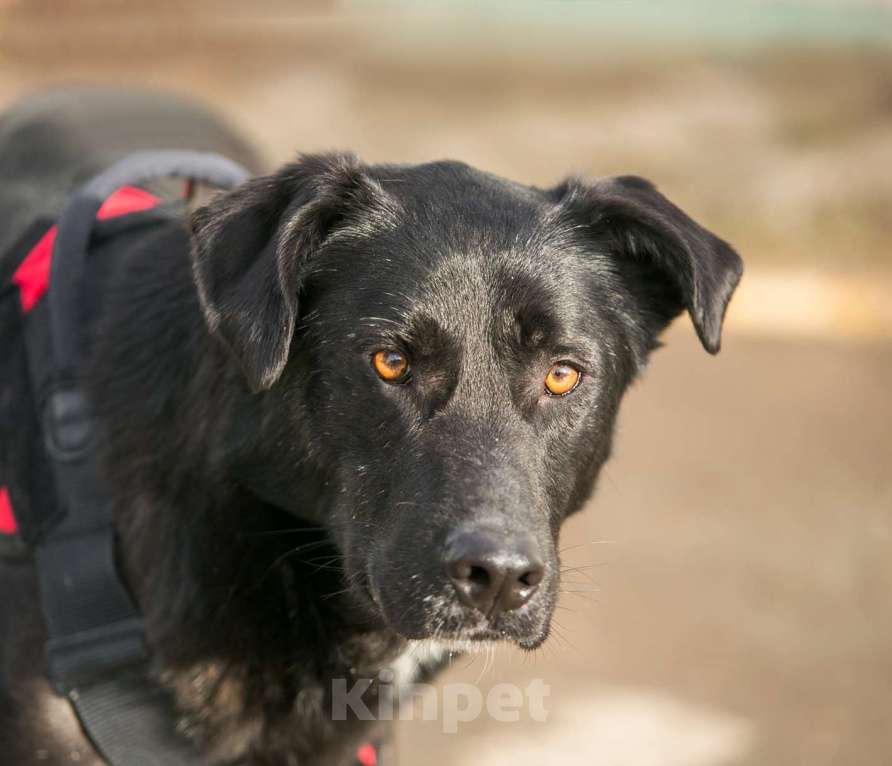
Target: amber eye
pixel 390 365
pixel 561 379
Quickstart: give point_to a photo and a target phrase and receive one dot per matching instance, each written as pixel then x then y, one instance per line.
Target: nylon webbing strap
pixel 96 650
pixel 131 721
pixel 68 268
pixel 96 643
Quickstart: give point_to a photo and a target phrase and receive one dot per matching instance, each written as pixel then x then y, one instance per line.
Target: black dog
pixel 345 409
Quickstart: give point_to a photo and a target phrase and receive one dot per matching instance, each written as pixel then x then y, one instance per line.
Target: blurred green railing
pixel 739 21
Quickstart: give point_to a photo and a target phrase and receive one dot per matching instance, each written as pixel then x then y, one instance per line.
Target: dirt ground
pixel 732 604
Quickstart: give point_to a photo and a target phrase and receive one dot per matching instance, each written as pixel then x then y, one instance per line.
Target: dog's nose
pixel 491 573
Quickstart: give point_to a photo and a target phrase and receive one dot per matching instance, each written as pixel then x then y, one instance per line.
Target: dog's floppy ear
pixel 673 262
pixel 250 246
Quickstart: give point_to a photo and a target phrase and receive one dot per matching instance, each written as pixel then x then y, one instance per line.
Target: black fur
pixel 282 510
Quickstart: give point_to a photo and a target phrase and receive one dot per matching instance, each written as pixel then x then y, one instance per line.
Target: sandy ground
pixel 732 601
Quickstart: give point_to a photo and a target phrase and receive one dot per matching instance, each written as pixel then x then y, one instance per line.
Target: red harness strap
pixel 7 519
pixel 33 274
pixel 32 278
pixel 366 755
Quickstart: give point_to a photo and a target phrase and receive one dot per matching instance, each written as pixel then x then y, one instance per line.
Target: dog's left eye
pixel 391 365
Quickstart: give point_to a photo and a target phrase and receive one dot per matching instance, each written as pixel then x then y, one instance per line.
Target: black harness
pixel 96 649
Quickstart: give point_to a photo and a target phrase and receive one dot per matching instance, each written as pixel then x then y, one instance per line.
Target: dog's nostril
pixel 480 576
pixel 532 577
pixel 476 582
pixel 471 577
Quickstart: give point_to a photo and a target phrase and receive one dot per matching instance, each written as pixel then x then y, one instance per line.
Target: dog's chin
pixel 461 632
pixel 477 642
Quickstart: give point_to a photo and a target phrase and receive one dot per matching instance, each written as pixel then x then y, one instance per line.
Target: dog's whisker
pixel 589 542
pixel 290 553
pixel 280 532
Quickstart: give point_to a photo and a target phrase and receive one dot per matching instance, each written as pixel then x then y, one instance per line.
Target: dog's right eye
pixel 391 365
pixel 562 379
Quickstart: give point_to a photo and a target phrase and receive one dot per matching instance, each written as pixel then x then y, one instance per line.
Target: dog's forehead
pixel 472 299
pixel 467 289
pixel 468 249
pixel 461 231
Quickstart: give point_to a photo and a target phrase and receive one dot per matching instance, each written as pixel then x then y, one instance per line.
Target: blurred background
pixel 732 599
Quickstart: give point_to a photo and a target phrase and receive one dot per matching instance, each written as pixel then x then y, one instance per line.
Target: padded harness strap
pixel 96 643
pixel 131 721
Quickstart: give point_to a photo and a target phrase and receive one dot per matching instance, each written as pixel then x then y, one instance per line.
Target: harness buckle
pixel 67 424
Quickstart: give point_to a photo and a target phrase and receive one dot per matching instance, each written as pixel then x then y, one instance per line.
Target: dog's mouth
pixel 441 618
pixel 449 648
pixel 476 642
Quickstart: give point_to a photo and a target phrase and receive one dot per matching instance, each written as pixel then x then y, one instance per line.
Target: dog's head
pixel 441 354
